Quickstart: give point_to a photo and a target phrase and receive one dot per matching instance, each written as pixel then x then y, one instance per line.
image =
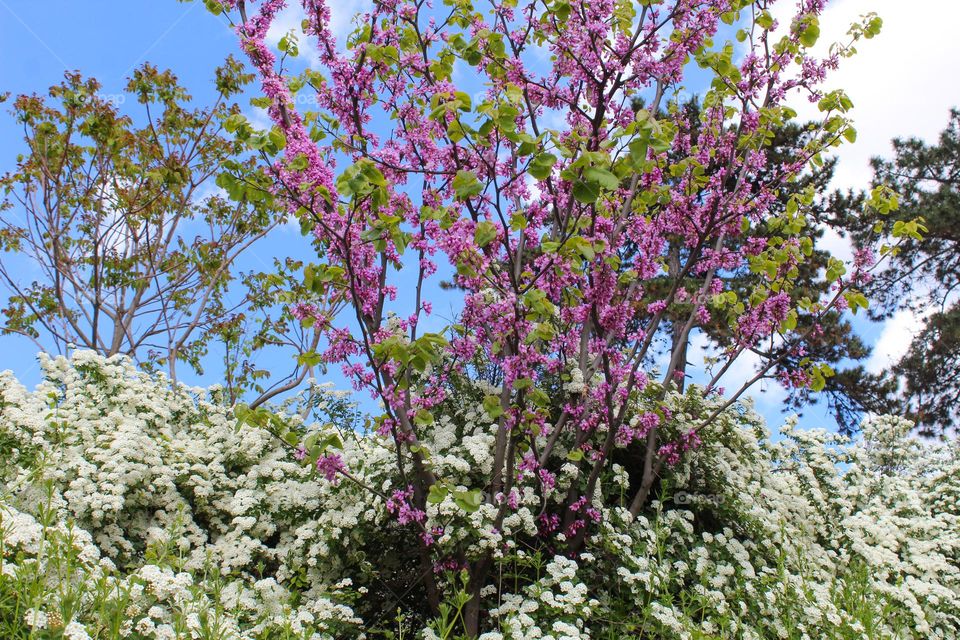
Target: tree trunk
pixel 471 611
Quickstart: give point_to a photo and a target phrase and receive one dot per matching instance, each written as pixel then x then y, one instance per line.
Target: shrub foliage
pixel 133 508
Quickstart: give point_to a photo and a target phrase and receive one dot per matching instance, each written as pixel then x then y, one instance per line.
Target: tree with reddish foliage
pixel 136 252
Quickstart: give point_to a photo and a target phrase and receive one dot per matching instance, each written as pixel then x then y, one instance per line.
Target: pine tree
pixel 923 276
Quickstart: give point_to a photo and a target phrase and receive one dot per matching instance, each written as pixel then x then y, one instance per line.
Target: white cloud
pixel 900 84
pixel 900 81
pixel 341 16
pixel 259 118
pixel 287 21
pixel 836 245
pixel 895 339
pixel 342 13
pixel 207 190
pixel 533 185
pixel 768 395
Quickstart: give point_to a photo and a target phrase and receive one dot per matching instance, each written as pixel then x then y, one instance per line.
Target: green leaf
pixel 638 149
pixel 856 301
pixel 309 359
pixel 214 7
pixel 542 165
pixel 522 383
pixel 437 493
pixel 818 376
pixel 790 322
pixel 422 418
pixel 299 163
pixel 582 246
pixel 242 413
pixel 603 177
pixel 469 501
pixel 810 34
pixel 545 332
pixel 835 269
pixel 586 192
pixel 539 397
pixel 491 404
pixel 466 185
pixel 484 233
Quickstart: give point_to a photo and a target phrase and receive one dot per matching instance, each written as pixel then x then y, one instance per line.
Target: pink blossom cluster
pixel 399 505
pixel 578 210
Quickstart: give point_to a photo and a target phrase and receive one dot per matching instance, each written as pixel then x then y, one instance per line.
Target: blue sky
pixel 106 39
pixel 40 39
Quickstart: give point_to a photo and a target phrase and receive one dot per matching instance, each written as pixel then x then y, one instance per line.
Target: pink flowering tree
pixel 533 156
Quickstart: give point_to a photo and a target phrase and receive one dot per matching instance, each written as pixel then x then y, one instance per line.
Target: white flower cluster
pixel 556 607
pixel 142 470
pixel 805 537
pixel 133 508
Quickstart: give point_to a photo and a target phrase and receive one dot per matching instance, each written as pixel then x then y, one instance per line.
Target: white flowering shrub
pixel 134 508
pixel 183 518
pixel 809 536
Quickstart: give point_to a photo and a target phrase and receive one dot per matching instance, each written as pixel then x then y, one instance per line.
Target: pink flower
pixel 399 505
pixel 330 465
pixel 550 270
